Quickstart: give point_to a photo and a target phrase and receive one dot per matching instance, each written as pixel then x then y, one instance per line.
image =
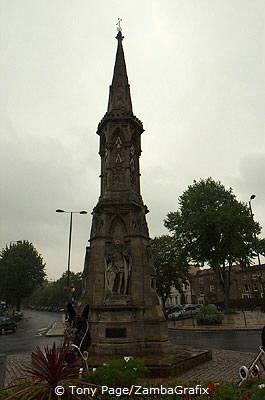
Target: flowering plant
pixel 124 372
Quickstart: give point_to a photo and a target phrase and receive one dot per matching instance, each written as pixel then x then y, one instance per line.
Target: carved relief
pixel 132 164
pixel 118 142
pixel 106 156
pixel 97 225
pixel 117 269
pixel 117 178
pixel 118 159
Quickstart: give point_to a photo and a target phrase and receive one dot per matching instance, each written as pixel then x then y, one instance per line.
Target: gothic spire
pixel 119 95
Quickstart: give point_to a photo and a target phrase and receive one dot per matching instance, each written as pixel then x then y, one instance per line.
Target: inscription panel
pixel 116 333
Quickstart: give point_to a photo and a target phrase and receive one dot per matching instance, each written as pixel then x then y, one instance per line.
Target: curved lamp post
pixel 252 197
pixel 70 239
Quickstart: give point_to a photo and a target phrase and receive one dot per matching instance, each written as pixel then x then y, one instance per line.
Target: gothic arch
pixel 118 228
pixel 117 137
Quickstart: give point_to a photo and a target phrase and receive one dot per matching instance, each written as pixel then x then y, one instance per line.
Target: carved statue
pixel 117 269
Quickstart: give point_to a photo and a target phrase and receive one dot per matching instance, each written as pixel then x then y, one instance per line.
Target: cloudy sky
pixel 196 70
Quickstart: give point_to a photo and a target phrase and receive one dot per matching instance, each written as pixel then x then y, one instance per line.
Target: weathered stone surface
pixel 125 316
pixel 118 274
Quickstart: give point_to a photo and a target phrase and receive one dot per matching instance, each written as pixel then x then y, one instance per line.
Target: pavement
pixel 223 367
pixel 57 329
pixel 248 320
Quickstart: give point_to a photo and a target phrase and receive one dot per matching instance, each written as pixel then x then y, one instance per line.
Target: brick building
pixel 246 282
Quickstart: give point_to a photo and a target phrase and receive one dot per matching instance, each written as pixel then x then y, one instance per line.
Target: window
pixel 212 288
pixel 247 288
pixel 201 290
pixel 201 280
pixel 246 296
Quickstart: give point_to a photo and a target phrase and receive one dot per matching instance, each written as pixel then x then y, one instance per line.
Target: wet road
pixel 28 335
pixel 248 341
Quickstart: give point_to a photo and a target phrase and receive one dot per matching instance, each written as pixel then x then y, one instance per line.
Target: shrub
pixel 208 315
pixel 124 372
pixel 211 319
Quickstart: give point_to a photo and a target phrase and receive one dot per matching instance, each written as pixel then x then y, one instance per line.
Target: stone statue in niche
pixel 117 269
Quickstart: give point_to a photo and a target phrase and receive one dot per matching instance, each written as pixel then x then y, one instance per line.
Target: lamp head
pixel 83 212
pixel 60 211
pixel 252 197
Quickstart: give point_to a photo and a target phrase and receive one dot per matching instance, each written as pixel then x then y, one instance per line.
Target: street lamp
pixel 70 239
pixel 252 197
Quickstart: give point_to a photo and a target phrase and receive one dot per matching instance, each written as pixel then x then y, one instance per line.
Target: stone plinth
pixel 173 361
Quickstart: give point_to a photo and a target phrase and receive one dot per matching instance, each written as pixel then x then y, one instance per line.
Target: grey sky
pixel 196 70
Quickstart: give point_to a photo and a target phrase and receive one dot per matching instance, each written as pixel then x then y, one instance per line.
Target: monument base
pixel 172 361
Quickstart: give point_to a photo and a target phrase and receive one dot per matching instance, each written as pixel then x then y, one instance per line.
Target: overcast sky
pixel 196 70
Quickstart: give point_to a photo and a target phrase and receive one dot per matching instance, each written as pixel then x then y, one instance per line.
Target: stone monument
pixel 125 316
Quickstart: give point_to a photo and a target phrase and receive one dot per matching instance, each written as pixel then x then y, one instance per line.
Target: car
pixel 7 324
pixel 173 309
pixel 189 310
pixel 175 315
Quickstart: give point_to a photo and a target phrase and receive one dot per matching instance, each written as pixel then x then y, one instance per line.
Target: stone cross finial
pixel 119 25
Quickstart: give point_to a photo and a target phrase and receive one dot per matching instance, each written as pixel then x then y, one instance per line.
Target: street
pixel 244 340
pixel 28 335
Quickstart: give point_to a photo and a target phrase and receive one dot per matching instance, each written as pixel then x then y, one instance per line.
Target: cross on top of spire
pixel 119 25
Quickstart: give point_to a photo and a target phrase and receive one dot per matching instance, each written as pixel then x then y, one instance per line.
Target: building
pixel 184 296
pixel 246 282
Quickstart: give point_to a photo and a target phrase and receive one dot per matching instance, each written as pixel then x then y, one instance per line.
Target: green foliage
pixel 213 227
pixel 226 392
pixel 122 373
pixel 21 271
pixel 54 294
pixel 208 315
pixel 208 309
pixel 170 263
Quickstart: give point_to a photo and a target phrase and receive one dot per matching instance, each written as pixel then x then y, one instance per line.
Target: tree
pixel 21 272
pixel 54 294
pixel 214 228
pixel 171 267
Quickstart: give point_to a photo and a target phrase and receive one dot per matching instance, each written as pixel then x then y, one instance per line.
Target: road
pixel 245 340
pixel 28 335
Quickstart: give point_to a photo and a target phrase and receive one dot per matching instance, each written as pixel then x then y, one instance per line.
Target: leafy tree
pixel 171 267
pixel 215 228
pixel 21 271
pixel 54 294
